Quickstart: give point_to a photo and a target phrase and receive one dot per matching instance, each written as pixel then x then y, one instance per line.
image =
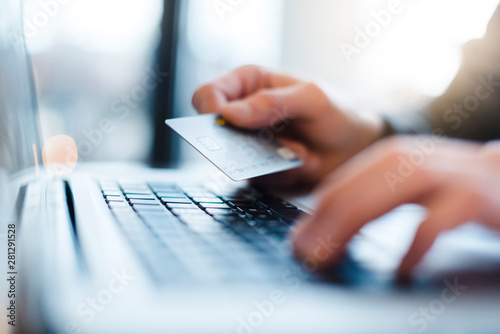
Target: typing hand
pixel 456 181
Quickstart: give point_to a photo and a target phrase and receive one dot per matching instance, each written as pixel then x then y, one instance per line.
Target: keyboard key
pixel 197 192
pixel 137 192
pixel 182 206
pixel 173 194
pixel 188 212
pixel 289 214
pixel 278 204
pixel 181 200
pixel 274 222
pixel 222 212
pixel 263 216
pixel 273 229
pixel 115 199
pixel 215 206
pixel 254 211
pixel 143 197
pixel 206 228
pixel 111 197
pixel 150 209
pixel 118 204
pixel 157 217
pixel 112 193
pixel 110 187
pixel 140 190
pixel 243 204
pixel 206 200
pixel 165 229
pixel 144 202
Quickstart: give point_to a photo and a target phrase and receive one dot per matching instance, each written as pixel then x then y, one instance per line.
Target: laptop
pixel 126 249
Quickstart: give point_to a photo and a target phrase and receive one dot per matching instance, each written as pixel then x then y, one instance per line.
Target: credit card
pixel 238 153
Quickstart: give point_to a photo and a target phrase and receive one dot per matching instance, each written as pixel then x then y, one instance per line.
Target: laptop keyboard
pixel 190 233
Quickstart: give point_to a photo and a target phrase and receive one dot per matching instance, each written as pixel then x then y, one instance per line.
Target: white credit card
pixel 240 154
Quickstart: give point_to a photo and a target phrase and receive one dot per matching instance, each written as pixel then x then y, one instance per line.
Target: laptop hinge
pixel 71 208
pixel 70 204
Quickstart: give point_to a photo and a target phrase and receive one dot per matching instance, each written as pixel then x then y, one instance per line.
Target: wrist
pixel 374 128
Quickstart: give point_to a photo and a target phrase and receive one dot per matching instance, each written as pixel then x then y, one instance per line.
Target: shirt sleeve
pixel 470 107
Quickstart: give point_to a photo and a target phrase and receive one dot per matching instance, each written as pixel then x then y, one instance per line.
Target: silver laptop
pixel 125 249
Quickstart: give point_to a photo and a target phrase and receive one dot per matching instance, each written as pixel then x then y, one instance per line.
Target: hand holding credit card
pixel 238 153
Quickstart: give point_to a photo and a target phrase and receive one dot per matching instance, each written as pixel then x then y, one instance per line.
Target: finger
pixel 400 150
pixel 357 194
pixel 295 177
pixel 311 162
pixel 276 106
pixel 235 85
pixel 449 208
pixel 352 202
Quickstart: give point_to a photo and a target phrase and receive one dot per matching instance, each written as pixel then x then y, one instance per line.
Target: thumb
pixel 268 107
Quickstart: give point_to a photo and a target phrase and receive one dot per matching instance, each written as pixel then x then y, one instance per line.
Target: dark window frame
pixel 163 152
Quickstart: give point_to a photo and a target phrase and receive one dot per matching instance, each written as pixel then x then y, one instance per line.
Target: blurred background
pixel 108 71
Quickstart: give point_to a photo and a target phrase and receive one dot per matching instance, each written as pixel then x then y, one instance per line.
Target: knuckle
pixel 316 92
pixel 251 71
pixel 401 155
pixel 250 68
pixel 426 177
pixel 312 87
pixel 470 193
pixel 266 101
pixel 392 148
pixel 320 106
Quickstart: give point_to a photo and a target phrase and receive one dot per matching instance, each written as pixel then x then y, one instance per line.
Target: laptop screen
pixel 19 121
